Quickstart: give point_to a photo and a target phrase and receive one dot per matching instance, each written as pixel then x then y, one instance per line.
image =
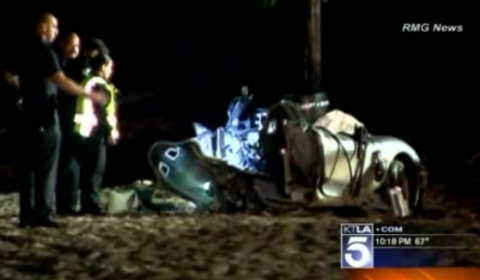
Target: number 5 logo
pixel 357 245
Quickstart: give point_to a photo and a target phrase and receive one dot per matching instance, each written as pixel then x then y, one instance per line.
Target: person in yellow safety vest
pixel 95 127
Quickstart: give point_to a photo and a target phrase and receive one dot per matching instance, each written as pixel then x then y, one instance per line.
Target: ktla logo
pixel 357 249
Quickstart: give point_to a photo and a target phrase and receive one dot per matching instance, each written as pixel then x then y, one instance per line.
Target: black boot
pixel 26 223
pixel 49 223
pixel 68 213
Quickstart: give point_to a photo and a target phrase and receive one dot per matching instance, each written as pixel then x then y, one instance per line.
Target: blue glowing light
pixel 237 143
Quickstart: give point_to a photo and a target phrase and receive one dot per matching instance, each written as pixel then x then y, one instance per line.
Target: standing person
pixel 69 49
pixel 81 67
pixel 35 69
pixel 95 127
pixel 68 170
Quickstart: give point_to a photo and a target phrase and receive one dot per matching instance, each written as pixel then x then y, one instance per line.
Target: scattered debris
pixel 145 197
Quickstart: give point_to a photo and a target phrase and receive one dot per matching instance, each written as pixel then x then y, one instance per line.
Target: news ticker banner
pixel 397 246
pixel 414 274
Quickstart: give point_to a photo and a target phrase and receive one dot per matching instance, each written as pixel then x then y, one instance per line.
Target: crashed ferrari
pixel 296 154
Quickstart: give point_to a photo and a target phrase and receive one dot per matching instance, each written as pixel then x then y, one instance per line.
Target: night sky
pixel 192 56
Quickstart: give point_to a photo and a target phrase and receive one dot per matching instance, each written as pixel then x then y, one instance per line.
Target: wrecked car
pixel 314 157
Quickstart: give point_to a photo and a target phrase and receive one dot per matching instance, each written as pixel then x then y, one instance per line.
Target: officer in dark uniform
pixel 38 73
pixel 78 67
pixel 69 49
pixel 68 170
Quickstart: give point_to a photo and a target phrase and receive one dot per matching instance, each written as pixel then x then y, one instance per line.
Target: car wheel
pixel 395 195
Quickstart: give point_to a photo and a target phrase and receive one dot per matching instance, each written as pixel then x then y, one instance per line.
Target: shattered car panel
pixel 337 121
pixel 186 171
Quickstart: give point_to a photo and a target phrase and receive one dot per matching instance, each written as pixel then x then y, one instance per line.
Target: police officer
pixel 38 73
pixel 95 126
pixel 69 49
pixel 68 178
pixel 91 48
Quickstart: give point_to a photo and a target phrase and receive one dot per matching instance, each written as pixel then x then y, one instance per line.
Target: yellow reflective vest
pixel 85 118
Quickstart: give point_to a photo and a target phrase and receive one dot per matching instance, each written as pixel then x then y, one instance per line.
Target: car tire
pixel 403 189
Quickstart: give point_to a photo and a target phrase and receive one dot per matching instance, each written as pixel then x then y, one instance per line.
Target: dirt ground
pixel 294 246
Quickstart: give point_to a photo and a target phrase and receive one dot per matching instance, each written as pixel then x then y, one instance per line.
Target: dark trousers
pixel 37 150
pixel 68 172
pixel 92 153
